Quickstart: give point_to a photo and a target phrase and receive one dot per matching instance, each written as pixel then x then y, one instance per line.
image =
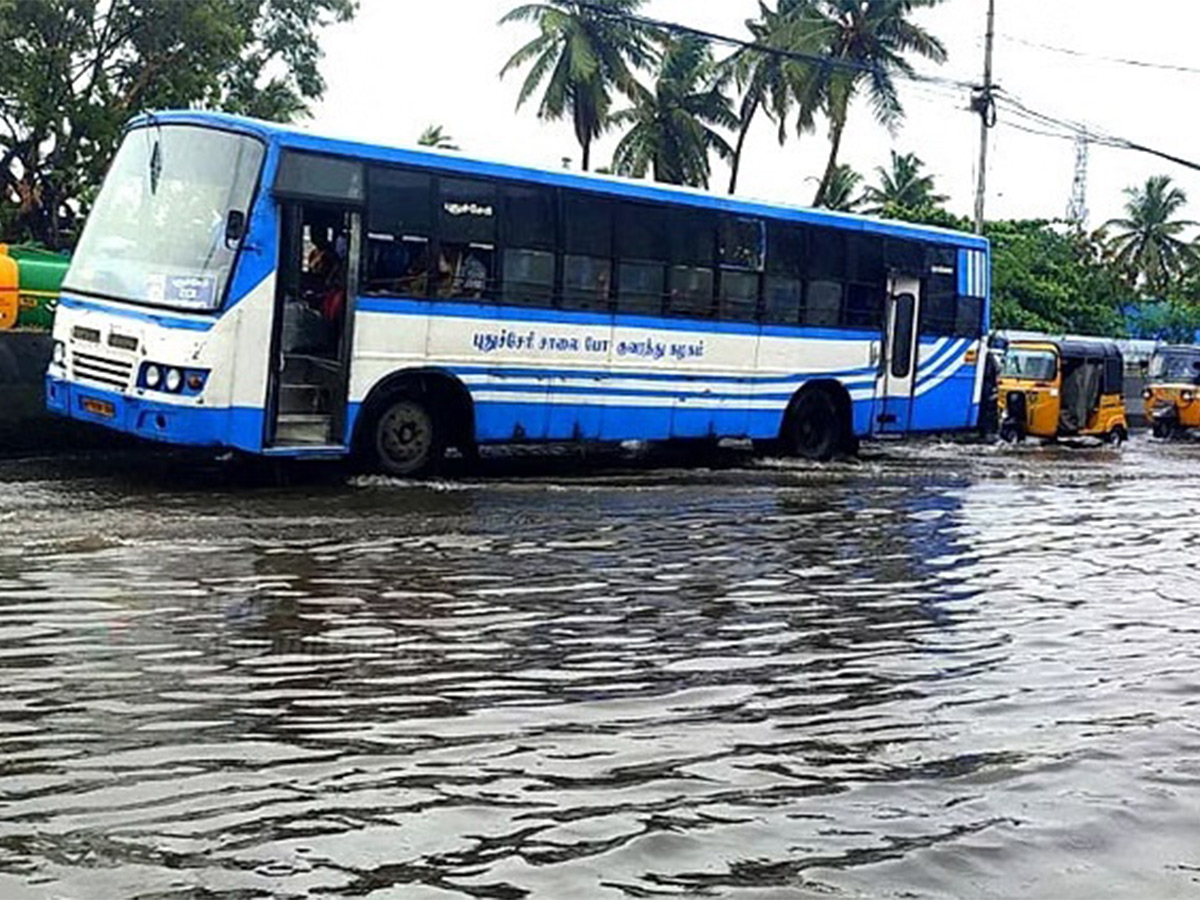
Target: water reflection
pixel 935 674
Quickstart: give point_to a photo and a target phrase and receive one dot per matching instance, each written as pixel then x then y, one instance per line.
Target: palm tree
pixel 840 195
pixel 583 51
pixel 770 80
pixel 1150 250
pixel 672 128
pixel 904 187
pixel 436 137
pixel 867 47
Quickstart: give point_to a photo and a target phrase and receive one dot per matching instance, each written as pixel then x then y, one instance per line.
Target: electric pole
pixel 984 104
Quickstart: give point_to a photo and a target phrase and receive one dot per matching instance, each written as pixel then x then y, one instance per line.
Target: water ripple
pixel 941 671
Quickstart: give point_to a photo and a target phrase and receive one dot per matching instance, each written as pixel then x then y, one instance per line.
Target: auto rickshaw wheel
pixel 1117 436
pixel 1011 434
pixel 1163 429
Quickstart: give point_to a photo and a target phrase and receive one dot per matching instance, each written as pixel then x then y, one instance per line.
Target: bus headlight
pixel 153 376
pixel 59 355
pixel 174 380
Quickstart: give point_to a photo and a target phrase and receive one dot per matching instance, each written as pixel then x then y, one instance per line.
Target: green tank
pixel 41 277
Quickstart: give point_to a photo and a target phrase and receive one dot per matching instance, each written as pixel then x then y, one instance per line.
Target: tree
pixel 1149 250
pixel 73 71
pixel 771 80
pixel 672 128
pixel 435 136
pixel 840 196
pixel 903 187
pixel 867 46
pixel 1045 278
pixel 583 51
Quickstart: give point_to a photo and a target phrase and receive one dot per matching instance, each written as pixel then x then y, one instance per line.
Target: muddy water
pixel 940 672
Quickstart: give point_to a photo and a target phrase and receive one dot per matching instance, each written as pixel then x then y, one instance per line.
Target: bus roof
pixel 289 136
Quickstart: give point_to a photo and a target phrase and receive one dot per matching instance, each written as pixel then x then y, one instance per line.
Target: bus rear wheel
pixel 815 430
pixel 408 441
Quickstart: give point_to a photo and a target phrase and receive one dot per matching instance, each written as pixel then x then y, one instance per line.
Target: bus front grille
pixel 112 373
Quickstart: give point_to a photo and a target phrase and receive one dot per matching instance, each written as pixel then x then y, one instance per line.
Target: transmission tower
pixel 1077 211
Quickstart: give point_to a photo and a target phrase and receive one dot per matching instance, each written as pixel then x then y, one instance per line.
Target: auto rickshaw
pixel 1063 389
pixel 1172 391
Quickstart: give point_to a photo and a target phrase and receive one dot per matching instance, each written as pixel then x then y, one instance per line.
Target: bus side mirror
pixel 235 227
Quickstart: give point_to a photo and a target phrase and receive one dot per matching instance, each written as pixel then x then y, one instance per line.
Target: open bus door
pixel 898 361
pixel 317 276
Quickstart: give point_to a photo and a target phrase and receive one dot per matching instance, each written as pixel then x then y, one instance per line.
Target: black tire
pixel 1010 434
pixel 814 428
pixel 408 440
pixel 1162 430
pixel 1117 436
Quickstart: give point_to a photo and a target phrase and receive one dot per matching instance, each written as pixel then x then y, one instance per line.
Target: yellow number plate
pixel 98 407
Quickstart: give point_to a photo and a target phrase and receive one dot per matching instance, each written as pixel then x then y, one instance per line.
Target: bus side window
pixel 399 227
pixel 785 264
pixel 528 228
pixel 939 305
pixel 783 300
pixel 739 296
pixel 642 249
pixel 466 263
pixel 968 319
pixel 741 249
pixel 864 306
pixel 692 282
pixel 825 270
pixel 866 278
pixel 587 227
pixel 691 292
pixel 824 306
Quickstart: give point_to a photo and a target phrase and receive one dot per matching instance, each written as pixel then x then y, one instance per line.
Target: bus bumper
pixel 164 422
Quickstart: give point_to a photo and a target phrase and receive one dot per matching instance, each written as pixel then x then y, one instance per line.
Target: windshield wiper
pixel 155 166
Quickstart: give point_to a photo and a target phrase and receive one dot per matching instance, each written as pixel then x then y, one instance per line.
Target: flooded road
pixel 942 671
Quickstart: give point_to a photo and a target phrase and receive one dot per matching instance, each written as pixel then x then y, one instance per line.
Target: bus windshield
pixel 1179 367
pixel 1030 365
pixel 157 233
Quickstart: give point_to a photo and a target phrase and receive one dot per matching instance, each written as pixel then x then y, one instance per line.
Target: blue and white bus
pixel 248 286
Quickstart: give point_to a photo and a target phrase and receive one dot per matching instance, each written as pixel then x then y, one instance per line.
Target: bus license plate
pixel 99 407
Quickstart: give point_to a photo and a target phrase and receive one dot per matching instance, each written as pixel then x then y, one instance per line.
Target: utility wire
pixel 1008 101
pixel 1137 63
pixel 817 59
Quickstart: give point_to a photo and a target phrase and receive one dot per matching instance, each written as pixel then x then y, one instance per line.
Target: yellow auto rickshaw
pixel 1172 391
pixel 1062 389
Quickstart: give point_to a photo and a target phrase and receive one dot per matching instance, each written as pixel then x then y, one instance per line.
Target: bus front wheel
pixel 815 430
pixel 408 442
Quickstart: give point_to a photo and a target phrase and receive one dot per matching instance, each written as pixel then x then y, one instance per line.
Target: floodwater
pixel 942 671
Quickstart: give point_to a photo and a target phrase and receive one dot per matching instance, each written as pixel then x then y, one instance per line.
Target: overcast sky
pixel 402 65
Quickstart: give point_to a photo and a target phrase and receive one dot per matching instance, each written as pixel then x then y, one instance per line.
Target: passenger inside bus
pixel 313 324
pixel 326 272
pixel 463 271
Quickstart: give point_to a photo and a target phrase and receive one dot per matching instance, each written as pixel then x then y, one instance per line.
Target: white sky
pixel 402 65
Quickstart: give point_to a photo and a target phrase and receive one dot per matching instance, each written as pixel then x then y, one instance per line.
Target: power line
pixel 817 59
pixel 1001 97
pixel 1137 63
pixel 1095 135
